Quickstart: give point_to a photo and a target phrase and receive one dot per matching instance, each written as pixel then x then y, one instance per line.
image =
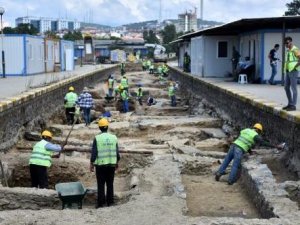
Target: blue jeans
pixel 274 72
pixel 173 100
pixel 291 83
pixel 87 115
pixel 125 106
pixel 235 153
pixel 110 92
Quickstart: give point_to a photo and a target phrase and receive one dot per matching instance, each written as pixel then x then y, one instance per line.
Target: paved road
pixel 12 86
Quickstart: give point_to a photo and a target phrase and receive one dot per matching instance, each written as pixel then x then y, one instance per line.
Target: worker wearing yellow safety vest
pixel 243 144
pixel 41 159
pixel 171 93
pixel 70 102
pixel 148 64
pixel 110 84
pixel 105 156
pixel 125 97
pixel 165 70
pixel 291 67
pixel 124 83
pixel 139 95
pixel 144 65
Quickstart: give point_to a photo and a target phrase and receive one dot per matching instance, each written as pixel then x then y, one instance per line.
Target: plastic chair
pixel 243 79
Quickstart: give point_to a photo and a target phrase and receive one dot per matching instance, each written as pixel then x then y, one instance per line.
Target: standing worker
pixel 125 97
pixel 110 82
pixel 273 62
pixel 70 102
pixel 105 156
pixel 291 67
pixel 86 102
pixel 171 92
pixel 139 95
pixel 124 83
pixel 41 158
pixel 186 62
pixel 122 67
pixel 247 139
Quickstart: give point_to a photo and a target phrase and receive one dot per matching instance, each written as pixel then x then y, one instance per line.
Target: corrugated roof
pixel 248 25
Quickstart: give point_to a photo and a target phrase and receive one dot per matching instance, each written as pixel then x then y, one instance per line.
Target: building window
pixel 222 49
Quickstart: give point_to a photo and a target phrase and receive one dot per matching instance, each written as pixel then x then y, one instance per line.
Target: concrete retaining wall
pixel 39 104
pixel 244 111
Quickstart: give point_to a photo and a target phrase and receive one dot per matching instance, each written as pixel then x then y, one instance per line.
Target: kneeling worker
pixel 243 144
pixel 41 158
pixel 105 157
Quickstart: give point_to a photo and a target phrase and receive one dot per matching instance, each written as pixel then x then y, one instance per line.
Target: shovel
pixel 76 117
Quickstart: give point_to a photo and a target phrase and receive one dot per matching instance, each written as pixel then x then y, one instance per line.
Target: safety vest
pixel 144 63
pixel 106 148
pixel 148 63
pixel 124 95
pixel 40 156
pixel 139 93
pixel 124 82
pixel 159 69
pixel 187 59
pixel 246 139
pixel 71 98
pixel 291 59
pixel 171 91
pixel 152 67
pixel 122 66
pixel 110 83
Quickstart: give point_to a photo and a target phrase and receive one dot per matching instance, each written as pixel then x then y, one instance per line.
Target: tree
pixel 51 34
pixel 293 8
pixel 73 36
pixel 168 35
pixel 150 37
pixel 25 28
pixel 9 30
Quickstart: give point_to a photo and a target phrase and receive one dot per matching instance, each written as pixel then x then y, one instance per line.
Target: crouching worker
pixel 105 157
pixel 243 144
pixel 41 159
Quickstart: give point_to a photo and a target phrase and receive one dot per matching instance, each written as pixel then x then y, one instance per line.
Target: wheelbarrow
pixel 71 192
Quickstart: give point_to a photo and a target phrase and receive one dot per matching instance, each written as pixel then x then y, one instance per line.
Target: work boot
pixel 218 175
pixel 291 108
pixel 286 107
pixel 230 183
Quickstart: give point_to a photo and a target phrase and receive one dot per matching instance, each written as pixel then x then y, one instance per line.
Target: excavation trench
pixel 166 153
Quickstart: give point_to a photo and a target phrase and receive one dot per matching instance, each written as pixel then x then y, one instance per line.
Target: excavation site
pixel 169 156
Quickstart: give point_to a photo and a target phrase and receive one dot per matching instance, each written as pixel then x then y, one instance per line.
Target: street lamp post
pixel 2 10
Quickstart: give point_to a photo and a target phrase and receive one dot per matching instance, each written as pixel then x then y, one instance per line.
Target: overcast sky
pixel 118 12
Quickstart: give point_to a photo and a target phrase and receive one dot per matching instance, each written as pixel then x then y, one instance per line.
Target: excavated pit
pixel 168 157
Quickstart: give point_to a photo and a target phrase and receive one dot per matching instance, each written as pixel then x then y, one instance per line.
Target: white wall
pixel 214 66
pixel 49 55
pixel 197 56
pixel 35 55
pixel 14 55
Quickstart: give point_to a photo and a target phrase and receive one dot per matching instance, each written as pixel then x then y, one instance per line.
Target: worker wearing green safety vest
pixel 171 93
pixel 125 97
pixel 110 85
pixel 148 63
pixel 122 67
pixel 70 102
pixel 105 157
pixel 159 70
pixel 124 83
pixel 41 159
pixel 164 69
pixel 247 139
pixel 144 65
pixel 139 95
pixel 151 69
pixel 291 68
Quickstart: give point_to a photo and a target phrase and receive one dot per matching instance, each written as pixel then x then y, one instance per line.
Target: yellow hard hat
pixel 103 122
pixel 121 87
pixel 47 133
pixel 258 126
pixel 71 88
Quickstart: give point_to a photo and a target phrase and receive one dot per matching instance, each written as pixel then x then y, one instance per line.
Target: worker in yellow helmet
pixel 247 139
pixel 105 157
pixel 70 102
pixel 41 159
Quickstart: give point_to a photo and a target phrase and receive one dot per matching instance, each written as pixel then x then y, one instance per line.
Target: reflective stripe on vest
pixel 124 82
pixel 171 91
pixel 106 148
pixel 291 59
pixel 71 98
pixel 124 95
pixel 40 156
pixel 246 139
pixel 110 83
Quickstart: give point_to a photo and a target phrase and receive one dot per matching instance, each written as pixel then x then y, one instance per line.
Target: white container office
pixel 24 55
pixel 67 55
